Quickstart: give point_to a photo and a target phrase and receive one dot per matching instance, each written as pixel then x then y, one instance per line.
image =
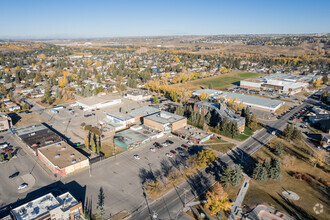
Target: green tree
pixel 237 174
pixel 325 79
pixel 234 130
pixel 208 118
pixel 155 100
pixel 93 145
pixel 87 137
pixel 98 145
pixel 9 155
pixel 210 86
pixel 279 149
pixel 275 169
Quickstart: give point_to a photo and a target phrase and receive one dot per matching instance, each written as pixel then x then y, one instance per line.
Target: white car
pixel 182 154
pixel 152 149
pixel 22 186
pixel 136 157
pixel 168 155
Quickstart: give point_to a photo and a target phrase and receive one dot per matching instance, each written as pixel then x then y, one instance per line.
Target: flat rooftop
pixel 193 132
pixel 144 111
pixel 36 208
pixel 37 135
pixel 137 93
pixel 43 205
pixel 135 134
pixel 254 100
pixel 165 117
pixel 99 99
pixel 62 154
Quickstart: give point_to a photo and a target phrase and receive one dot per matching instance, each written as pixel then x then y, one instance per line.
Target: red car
pixel 7 151
pixel 184 146
pixel 173 151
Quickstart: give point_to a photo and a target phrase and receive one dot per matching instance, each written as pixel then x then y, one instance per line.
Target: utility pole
pixel 185 197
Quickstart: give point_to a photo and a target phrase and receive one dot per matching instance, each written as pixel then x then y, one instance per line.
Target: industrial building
pixel 62 159
pixel 220 111
pixel 165 121
pixel 280 83
pixel 135 136
pixel 138 95
pixel 37 135
pixel 255 102
pixel 48 206
pixel 98 102
pixel 118 121
pixel 5 122
pixel 193 134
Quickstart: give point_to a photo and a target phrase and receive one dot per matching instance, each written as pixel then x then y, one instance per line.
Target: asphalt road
pixel 171 205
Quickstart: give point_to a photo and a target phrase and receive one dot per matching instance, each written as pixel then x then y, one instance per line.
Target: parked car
pixel 8 150
pixel 3 145
pixel 184 146
pixel 173 151
pixel 1 137
pixel 182 154
pixel 22 186
pixel 13 175
pixel 136 157
pixel 152 149
pixel 168 155
pixel 169 141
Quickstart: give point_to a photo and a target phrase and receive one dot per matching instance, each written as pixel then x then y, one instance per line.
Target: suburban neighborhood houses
pixel 165 128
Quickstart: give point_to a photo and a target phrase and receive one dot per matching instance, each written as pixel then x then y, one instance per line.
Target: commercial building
pixel 135 136
pixel 48 206
pixel 280 83
pixel 62 159
pixel 247 100
pixel 138 95
pixel 37 135
pixel 220 111
pixel 118 121
pixel 101 101
pixel 193 134
pixel 5 122
pixel 165 122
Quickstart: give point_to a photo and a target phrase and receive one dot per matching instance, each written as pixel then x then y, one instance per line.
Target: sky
pixel 125 18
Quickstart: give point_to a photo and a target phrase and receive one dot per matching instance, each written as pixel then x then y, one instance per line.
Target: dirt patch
pixel 26 119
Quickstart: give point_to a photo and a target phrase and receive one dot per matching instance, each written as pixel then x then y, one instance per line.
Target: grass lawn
pixel 240 137
pixel 57 102
pixel 270 192
pixel 108 150
pixel 219 82
pixel 222 147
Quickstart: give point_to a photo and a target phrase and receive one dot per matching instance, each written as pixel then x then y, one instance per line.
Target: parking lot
pixel 29 172
pixel 122 179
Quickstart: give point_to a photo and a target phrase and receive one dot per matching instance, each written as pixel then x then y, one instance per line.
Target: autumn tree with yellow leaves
pixel 217 200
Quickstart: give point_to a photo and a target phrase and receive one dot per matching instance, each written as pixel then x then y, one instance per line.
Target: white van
pixel 3 145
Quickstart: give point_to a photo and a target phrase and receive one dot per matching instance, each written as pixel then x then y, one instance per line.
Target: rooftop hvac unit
pixel 74 160
pixel 63 148
pixel 57 155
pixel 72 155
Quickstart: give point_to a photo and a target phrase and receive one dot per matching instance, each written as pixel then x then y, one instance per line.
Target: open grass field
pixel 219 82
pixel 311 193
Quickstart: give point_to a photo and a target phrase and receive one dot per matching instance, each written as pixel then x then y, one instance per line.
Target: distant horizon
pixel 150 36
pixel 39 19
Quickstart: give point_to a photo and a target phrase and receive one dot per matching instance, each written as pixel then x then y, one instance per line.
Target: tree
pixel 87 140
pixel 234 130
pixel 93 146
pixel 296 134
pixel 236 177
pixel 279 149
pixel 275 170
pixel 205 157
pixel 253 122
pixel 318 158
pixel 98 145
pixel 100 204
pixel 210 86
pixel 9 155
pixel 204 96
pixel 155 100
pixel 260 172
pixel 208 118
pixel 217 200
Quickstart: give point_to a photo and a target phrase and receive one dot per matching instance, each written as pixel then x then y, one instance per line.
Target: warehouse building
pixel 62 159
pixel 280 83
pixel 48 206
pixel 255 102
pixel 135 136
pixel 98 102
pixel 37 135
pixel 165 121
